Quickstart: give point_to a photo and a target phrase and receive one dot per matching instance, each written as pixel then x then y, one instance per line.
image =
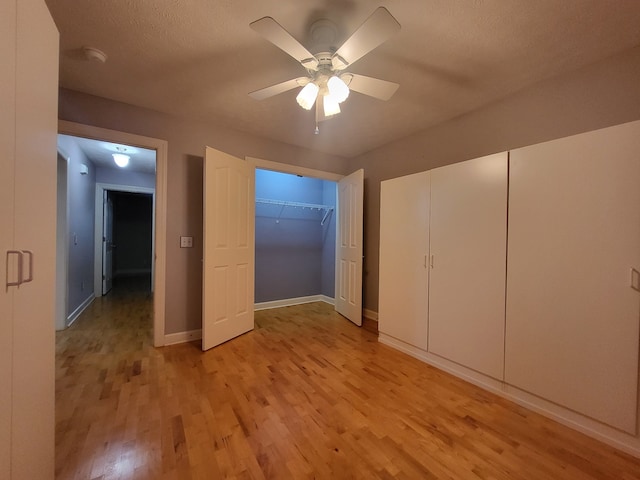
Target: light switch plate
pixel 186 242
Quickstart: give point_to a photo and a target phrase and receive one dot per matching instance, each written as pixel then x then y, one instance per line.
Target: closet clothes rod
pixel 285 203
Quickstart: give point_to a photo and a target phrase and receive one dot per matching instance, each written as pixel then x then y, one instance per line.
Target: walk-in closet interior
pixel 295 238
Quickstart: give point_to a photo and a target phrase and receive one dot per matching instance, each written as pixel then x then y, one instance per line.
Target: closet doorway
pixel 349 231
pixel 295 239
pixel 229 242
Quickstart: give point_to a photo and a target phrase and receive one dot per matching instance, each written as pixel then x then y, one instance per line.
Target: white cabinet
pixel 574 237
pixel 7 154
pixel 543 309
pixel 468 263
pixel 404 250
pixel 28 128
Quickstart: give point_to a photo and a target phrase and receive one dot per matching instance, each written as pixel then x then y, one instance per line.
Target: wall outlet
pixel 186 242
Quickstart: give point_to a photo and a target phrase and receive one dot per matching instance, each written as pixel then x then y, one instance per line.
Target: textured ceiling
pixel 200 59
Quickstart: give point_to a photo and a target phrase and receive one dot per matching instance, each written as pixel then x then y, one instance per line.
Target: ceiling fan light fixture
pixel 331 105
pixel 121 159
pixel 307 96
pixel 338 89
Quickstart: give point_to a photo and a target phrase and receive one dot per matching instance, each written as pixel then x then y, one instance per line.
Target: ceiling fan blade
pixel 279 88
pixel 376 29
pixel 276 34
pixel 374 87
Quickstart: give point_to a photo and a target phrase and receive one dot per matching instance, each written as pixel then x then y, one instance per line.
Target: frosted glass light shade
pixel 121 159
pixel 307 96
pixel 338 89
pixel 331 106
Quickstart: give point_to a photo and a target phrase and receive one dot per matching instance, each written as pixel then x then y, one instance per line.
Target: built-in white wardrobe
pixel 519 272
pixel 28 128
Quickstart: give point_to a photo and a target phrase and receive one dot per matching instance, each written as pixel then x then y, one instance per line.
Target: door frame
pixel 293 169
pixel 160 231
pixel 62 247
pixel 259 163
pixel 98 264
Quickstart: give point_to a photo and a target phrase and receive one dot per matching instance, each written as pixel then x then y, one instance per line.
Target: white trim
pixel 161 147
pixel 370 314
pixel 182 337
pixel 293 169
pixel 288 302
pixel 81 308
pixel 609 435
pixel 62 247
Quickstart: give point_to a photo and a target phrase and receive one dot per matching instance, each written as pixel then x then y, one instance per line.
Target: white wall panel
pixel 574 235
pixel 468 253
pixel 404 248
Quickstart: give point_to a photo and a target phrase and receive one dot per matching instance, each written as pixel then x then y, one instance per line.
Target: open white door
pixel 349 248
pixel 229 251
pixel 107 243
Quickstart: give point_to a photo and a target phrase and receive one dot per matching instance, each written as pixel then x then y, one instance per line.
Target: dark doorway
pixel 132 237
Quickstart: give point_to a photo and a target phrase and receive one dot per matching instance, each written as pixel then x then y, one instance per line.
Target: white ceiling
pixel 100 153
pixel 200 59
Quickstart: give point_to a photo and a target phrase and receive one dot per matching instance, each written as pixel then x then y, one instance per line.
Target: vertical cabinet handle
pixel 9 282
pixel 20 254
pixel 431 261
pixel 635 279
pixel 29 277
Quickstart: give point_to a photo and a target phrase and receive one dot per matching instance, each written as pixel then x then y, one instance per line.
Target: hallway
pixel 305 395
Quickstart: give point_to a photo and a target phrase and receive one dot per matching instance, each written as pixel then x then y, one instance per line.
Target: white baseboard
pixel 189 336
pixel 73 316
pixel 609 435
pixel 182 337
pixel 288 302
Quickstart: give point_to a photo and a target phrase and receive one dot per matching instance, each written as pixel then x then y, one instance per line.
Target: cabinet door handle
pixel 28 253
pixel 635 279
pixel 18 253
pixel 431 261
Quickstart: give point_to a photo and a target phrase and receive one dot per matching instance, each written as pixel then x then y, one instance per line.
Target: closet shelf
pixel 327 209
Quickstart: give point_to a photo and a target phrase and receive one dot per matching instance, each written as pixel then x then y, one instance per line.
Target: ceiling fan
pixel 327 83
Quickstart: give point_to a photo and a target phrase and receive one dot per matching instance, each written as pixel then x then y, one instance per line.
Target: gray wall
pixel 596 96
pixel 80 223
pixel 329 192
pixel 600 95
pixel 186 143
pixel 122 177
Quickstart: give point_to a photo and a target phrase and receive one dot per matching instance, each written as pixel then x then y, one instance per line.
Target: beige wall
pixel 187 140
pixel 600 95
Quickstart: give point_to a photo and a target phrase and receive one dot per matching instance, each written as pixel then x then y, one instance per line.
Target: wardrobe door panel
pixel 574 238
pixel 404 247
pixel 468 262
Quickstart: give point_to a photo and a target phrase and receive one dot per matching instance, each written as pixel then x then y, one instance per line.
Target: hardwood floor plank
pixel 306 395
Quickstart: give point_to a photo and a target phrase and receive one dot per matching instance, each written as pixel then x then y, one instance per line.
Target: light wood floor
pixel 305 395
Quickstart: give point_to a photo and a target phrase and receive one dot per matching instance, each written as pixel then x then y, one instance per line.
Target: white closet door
pixel 349 246
pixel 468 263
pixel 229 248
pixel 36 123
pixel 7 155
pixel 574 236
pixel 404 249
